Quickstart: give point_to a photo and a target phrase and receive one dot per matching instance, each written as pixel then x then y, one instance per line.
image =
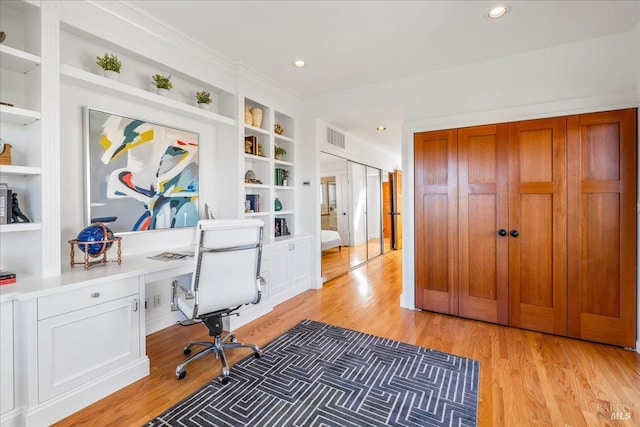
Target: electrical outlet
pixel 156 301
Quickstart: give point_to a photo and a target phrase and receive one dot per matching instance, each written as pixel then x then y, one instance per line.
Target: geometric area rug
pixel 317 374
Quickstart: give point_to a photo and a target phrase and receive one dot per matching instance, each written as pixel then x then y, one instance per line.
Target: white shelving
pixel 268 169
pixel 19 170
pixel 17 60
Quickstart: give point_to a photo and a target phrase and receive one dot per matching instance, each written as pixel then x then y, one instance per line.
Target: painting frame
pixel 139 175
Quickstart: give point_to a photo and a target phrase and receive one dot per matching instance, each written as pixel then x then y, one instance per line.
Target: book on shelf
pixel 7 277
pixel 9 281
pixel 253 204
pixel 280 227
pixel 5 203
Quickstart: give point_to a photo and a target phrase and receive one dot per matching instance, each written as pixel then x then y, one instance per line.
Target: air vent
pixel 335 138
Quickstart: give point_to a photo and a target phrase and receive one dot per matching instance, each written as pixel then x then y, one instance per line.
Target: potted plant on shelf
pixel 110 65
pixel 284 174
pixel 203 98
pixel 162 83
pixel 278 152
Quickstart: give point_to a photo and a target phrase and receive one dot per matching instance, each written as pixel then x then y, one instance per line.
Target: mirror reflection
pixel 351 214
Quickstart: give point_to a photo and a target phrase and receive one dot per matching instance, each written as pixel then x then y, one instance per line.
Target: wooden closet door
pixel 436 220
pixel 537 225
pixel 602 227
pixel 482 214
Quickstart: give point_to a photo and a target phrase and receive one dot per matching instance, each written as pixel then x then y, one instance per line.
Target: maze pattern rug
pixel 322 375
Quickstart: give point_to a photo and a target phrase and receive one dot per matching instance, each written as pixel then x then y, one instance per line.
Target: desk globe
pixel 96 232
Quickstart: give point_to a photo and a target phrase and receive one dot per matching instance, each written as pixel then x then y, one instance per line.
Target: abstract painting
pixel 140 175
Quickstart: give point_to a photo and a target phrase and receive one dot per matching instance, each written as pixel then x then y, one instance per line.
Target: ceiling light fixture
pixel 381 128
pixel 498 11
pixel 299 63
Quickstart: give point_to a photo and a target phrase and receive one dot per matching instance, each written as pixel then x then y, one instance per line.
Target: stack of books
pixel 5 203
pixel 280 227
pixel 252 203
pixel 7 277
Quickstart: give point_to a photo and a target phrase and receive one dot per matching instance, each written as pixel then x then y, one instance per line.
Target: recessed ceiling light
pixel 299 63
pixel 381 128
pixel 498 11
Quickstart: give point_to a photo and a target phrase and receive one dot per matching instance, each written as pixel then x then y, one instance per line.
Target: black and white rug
pixel 322 375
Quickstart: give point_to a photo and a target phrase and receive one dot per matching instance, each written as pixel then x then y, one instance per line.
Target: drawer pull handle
pixel 95 295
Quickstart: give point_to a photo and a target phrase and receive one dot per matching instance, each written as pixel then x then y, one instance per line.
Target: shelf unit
pixel 21 126
pixel 267 169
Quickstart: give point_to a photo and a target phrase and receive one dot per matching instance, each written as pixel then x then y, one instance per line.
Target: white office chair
pixel 226 277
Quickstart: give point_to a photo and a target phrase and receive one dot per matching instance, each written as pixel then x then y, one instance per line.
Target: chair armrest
pixel 175 286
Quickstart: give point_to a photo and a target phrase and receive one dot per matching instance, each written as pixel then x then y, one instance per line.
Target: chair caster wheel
pixel 186 351
pixel 258 354
pixel 233 338
pixel 181 375
pixel 224 380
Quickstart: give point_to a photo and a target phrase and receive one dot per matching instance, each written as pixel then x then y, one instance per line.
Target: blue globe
pixel 96 232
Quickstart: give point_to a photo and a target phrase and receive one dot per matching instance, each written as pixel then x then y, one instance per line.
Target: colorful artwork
pixel 140 175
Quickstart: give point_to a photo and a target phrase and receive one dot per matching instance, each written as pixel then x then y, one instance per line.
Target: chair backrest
pixel 227 256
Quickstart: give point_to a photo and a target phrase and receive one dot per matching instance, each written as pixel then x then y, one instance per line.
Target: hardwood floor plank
pixel 526 378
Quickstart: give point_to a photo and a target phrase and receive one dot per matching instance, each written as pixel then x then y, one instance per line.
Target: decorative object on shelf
pixel 284 176
pixel 279 152
pixel 95 240
pixel 8 104
pixel 247 206
pixel 259 151
pixel 110 64
pixel 277 205
pixel 3 36
pixel 256 114
pixel 278 129
pixel 251 145
pixel 248 118
pixel 145 174
pixel 16 213
pixel 162 83
pixel 5 153
pixel 203 98
pixel 250 178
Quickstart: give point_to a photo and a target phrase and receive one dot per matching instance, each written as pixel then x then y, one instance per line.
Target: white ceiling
pixel 349 44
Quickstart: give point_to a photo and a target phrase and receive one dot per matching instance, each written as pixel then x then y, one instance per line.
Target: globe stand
pixel 105 244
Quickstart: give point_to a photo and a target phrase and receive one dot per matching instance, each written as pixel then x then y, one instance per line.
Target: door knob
pixel 514 233
pixel 502 232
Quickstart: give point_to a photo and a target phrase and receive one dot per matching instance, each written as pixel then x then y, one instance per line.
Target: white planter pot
pixel 111 75
pixel 162 92
pixel 203 106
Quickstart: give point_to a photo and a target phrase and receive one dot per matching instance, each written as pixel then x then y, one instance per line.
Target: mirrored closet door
pixel 350 214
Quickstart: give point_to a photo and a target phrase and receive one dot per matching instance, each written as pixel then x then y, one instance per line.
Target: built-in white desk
pixel 77 337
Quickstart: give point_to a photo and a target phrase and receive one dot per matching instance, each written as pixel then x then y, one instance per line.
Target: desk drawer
pixel 89 296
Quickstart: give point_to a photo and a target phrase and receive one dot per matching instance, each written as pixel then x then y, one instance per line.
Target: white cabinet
pixel 79 346
pixel 7 386
pixel 289 263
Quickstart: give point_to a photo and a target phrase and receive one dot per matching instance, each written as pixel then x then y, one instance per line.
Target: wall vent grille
pixel 335 138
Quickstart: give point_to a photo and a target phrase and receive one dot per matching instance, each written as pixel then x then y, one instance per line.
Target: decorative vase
pixel 203 106
pixel 256 113
pixel 162 91
pixel 112 75
pixel 248 118
pixel 277 204
pixel 278 156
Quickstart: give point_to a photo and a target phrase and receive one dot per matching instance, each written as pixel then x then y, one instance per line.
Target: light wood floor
pixel 526 378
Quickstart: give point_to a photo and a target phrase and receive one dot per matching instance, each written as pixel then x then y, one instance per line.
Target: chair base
pixel 217 347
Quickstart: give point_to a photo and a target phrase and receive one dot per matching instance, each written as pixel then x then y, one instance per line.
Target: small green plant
pixel 162 82
pixel 284 174
pixel 109 62
pixel 203 97
pixel 279 151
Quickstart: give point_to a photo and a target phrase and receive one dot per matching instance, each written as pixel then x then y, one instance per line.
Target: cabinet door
pixel 278 255
pixel 6 357
pixel 602 231
pixel 483 211
pixel 537 213
pixel 436 221
pixel 299 264
pixel 80 346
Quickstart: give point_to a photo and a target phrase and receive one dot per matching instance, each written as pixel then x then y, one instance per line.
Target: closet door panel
pixel 482 212
pixel 436 234
pixel 537 225
pixel 602 233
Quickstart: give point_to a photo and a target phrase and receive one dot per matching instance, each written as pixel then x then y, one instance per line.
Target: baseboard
pixel 164 321
pixel 406 302
pixel 13 418
pixel 316 283
pixel 637 346
pixel 67 403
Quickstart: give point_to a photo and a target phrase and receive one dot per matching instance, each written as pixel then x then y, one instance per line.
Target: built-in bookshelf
pixel 268 152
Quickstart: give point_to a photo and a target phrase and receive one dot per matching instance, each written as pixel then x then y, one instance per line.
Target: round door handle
pixel 502 232
pixel 514 233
